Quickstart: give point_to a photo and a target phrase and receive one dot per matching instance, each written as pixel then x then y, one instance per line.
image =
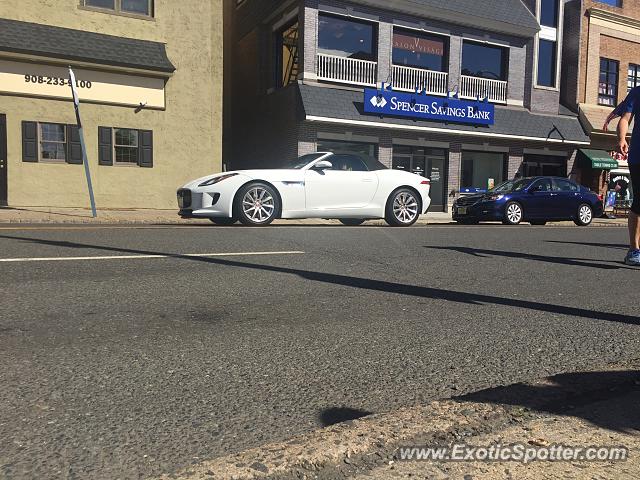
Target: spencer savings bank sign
pixel 414 105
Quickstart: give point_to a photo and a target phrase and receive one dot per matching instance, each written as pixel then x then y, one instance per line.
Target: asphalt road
pixel 132 367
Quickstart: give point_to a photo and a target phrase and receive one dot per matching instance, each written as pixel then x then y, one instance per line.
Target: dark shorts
pixel 635 182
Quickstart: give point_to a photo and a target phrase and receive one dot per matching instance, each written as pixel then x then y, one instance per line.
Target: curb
pixel 358 446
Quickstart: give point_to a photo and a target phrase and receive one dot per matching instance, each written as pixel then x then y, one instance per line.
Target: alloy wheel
pixel 258 204
pixel 514 213
pixel 585 214
pixel 405 207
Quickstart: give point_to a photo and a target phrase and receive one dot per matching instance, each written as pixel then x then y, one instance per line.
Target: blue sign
pixel 426 107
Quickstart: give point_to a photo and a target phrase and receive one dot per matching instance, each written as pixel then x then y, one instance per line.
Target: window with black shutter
pixel 125 146
pixel 51 143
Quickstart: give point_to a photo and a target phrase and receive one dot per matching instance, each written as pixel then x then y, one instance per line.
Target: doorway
pixel 428 162
pixel 3 160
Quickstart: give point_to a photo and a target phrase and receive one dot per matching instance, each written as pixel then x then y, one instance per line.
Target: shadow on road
pixel 565 393
pixel 592 244
pixel 333 415
pixel 366 283
pixel 576 262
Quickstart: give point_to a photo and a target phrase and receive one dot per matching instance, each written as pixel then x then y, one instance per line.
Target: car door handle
pixel 367 179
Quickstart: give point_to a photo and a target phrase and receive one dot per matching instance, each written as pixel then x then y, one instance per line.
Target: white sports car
pixel 319 185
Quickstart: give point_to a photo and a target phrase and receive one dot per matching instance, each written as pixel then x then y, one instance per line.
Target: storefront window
pixel 544 165
pixel 482 170
pixel 484 61
pixel 345 37
pixel 412 49
pixel 357 148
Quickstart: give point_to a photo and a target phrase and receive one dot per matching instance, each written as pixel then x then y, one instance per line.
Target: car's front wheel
pixel 585 215
pixel 512 213
pixel 256 204
pixel 403 208
pixel 223 220
pixel 351 222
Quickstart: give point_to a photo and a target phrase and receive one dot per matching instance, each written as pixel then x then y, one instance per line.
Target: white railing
pixel 473 87
pixel 347 70
pixel 409 78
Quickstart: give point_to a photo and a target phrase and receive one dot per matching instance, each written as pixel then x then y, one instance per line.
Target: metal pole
pixel 87 172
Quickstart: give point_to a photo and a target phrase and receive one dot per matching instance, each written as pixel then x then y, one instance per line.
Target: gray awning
pixel 77 45
pixel 338 106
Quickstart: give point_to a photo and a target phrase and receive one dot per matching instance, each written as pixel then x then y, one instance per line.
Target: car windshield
pixel 512 186
pixel 302 161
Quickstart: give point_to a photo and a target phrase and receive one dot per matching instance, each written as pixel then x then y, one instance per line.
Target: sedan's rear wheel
pixel 351 222
pixel 256 204
pixel 512 213
pixel 585 215
pixel 403 208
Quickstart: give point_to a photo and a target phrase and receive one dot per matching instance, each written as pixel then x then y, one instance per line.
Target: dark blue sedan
pixel 536 200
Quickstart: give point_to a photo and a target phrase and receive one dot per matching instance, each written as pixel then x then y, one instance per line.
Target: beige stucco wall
pixel 187 135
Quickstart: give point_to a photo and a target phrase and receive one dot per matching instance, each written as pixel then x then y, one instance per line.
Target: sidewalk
pixel 37 215
pixel 583 409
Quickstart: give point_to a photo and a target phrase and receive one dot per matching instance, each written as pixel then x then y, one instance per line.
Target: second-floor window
pixel 484 61
pixel 346 37
pixel 419 50
pixel 613 3
pixel 633 76
pixel 608 85
pixel 546 63
pixel 135 7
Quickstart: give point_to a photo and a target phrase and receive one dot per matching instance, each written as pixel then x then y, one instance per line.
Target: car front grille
pixel 465 201
pixel 184 198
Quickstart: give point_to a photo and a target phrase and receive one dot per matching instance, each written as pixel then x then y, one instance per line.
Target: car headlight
pixel 493 198
pixel 214 180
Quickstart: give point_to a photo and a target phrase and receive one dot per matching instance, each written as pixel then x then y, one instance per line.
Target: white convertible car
pixel 319 185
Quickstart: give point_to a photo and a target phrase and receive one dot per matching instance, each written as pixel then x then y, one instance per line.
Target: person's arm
pixel 623 129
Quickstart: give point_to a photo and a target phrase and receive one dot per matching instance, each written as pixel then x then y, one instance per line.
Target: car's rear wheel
pixel 351 222
pixel 512 213
pixel 538 222
pixel 584 216
pixel 256 204
pixel 403 208
pixel 223 220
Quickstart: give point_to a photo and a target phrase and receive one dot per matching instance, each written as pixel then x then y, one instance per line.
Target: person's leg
pixel 633 257
pixel 634 231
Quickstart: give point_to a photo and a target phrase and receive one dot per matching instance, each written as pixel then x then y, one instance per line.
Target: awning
pixel 598 159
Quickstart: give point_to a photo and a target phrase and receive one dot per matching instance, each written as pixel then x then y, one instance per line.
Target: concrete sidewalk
pixel 36 215
pixel 582 409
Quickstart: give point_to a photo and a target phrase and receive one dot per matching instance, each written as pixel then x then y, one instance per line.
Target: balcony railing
pixel 408 79
pixel 473 87
pixel 347 70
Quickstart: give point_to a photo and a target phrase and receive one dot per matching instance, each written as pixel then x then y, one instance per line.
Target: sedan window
pixel 543 185
pixel 565 186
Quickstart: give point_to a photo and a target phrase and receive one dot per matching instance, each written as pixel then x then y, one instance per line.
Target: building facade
pixel 309 75
pixel 602 63
pixel 149 77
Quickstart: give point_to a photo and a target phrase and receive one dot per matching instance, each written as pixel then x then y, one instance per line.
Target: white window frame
pixel 117 9
pixel 41 141
pixel 553 35
pixel 137 147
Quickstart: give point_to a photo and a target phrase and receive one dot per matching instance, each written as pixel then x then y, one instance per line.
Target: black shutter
pixel 145 148
pixel 74 148
pixel 105 146
pixel 29 142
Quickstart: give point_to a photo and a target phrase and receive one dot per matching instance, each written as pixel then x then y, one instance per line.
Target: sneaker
pixel 633 258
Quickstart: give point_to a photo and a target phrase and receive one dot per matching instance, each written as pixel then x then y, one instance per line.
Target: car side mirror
pixel 323 165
